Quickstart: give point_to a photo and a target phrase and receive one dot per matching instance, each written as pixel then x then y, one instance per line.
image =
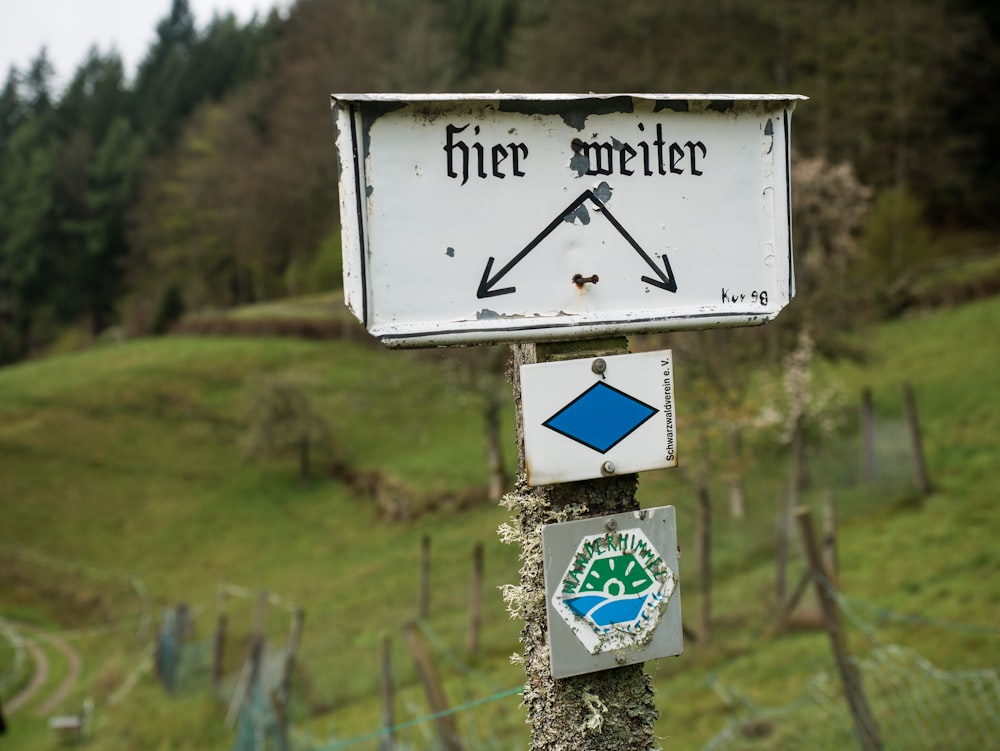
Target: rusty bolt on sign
pixel 579 279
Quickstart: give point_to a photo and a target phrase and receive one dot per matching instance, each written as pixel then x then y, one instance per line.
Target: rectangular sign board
pixel 488 218
pixel 597 417
pixel 612 591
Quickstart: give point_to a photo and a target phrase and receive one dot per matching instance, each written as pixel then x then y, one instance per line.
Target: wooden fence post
pixel 432 687
pixel 916 442
pixel 292 652
pixel 800 470
pixel 781 552
pixel 388 742
pixel 424 606
pixel 219 650
pixel 865 727
pixel 475 600
pixel 608 709
pixel 219 641
pixel 867 431
pixel 705 558
pixel 253 669
pixel 282 696
pixel 830 564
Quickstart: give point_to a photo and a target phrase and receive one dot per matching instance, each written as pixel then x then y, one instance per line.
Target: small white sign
pixel 598 417
pixel 488 218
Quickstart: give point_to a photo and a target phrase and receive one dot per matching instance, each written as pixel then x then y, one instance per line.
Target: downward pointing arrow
pixel 664 281
pixel 486 283
pixel 664 277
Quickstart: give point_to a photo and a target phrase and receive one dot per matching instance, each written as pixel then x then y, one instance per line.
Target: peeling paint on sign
pixel 612 589
pixel 673 210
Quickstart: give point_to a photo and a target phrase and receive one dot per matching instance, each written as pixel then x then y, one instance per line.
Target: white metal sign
pixel 485 218
pixel 598 417
pixel 612 590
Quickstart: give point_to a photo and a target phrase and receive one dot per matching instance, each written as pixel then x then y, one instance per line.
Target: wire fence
pixel 916 705
pixel 488 715
pixel 111 612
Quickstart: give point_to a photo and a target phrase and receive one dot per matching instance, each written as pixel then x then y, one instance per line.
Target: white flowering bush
pixel 793 399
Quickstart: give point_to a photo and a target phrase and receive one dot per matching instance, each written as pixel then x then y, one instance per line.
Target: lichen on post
pixel 610 710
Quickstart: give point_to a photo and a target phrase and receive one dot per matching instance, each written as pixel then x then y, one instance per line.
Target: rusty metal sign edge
pixel 560 97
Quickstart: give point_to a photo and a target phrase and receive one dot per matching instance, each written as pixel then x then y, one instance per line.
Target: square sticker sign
pixel 598 417
pixel 612 591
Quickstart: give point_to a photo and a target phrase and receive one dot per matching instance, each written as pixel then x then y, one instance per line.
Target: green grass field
pixel 125 462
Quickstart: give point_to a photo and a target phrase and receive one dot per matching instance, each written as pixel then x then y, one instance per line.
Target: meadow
pixel 125 490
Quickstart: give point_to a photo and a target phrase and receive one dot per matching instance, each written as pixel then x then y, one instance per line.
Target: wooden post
pixel 737 493
pixel 253 687
pixel 283 694
pixel 781 554
pixel 180 632
pixel 867 427
pixel 800 472
pixel 705 559
pixel 475 600
pixel 218 652
pixel 432 687
pixel 256 657
pixel 219 642
pixel 865 727
pixel 610 709
pixel 830 563
pixel 493 395
pixel 182 624
pixel 916 442
pixel 388 742
pixel 424 606
pixel 292 652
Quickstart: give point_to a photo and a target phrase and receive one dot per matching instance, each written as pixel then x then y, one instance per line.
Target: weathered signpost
pixel 561 224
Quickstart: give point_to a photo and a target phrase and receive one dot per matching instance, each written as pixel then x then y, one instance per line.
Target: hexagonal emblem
pixel 614 590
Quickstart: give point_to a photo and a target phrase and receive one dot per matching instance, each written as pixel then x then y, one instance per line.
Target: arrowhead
pixel 664 279
pixel 486 283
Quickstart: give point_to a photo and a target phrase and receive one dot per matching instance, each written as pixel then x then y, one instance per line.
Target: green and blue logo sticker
pixel 614 590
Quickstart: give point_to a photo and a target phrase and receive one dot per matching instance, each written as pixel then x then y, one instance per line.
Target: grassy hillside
pixel 125 462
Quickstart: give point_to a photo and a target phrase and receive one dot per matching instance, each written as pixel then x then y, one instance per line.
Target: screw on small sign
pixel 614 591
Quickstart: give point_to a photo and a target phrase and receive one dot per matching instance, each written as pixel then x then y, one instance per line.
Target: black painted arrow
pixel 664 277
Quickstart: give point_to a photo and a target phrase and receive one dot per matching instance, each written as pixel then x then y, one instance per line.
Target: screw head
pixel 611 525
pixel 608 468
pixel 599 366
pixel 620 658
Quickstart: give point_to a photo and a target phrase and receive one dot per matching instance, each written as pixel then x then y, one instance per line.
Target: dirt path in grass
pixel 72 674
pixel 40 675
pixel 38 678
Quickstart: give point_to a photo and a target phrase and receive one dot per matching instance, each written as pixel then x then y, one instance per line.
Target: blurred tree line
pixel 209 178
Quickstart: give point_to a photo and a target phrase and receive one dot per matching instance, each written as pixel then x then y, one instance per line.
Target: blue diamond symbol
pixel 601 417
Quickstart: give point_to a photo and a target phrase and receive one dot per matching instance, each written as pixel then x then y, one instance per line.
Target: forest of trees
pixel 208 178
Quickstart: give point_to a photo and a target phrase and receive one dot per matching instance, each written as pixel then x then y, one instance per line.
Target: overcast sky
pixel 68 28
